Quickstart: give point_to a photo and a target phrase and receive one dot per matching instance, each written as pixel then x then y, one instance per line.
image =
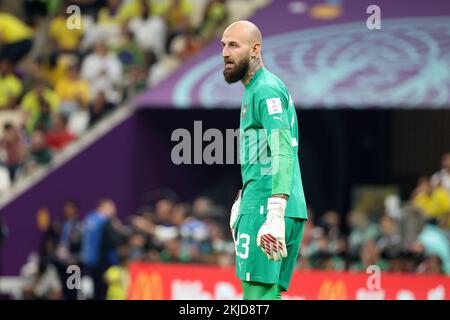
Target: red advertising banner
pixel 194 282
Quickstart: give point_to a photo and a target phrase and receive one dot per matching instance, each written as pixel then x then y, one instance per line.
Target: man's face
pixel 236 56
pixel 70 210
pixel 5 67
pixel 109 208
pixel 446 161
pixel 38 140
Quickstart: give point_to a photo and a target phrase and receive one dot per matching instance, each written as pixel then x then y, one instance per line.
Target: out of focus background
pixel 92 90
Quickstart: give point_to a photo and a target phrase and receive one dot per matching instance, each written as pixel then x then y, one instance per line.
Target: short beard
pixel 238 72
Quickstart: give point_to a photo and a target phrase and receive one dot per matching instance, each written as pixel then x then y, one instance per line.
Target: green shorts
pixel 252 263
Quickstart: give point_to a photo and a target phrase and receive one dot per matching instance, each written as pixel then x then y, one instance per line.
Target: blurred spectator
pixel 35 11
pixel 103 71
pixel 101 237
pixel 195 239
pixel 389 242
pixel 16 38
pixel 59 136
pixel 43 119
pixel 39 99
pixel 164 229
pixel 39 154
pixel 48 69
pixel 99 108
pixel 320 257
pixel 147 23
pixel 137 81
pixel 331 225
pixel 435 242
pixel 133 8
pixel 177 16
pixel 442 177
pixel 369 255
pixel 10 86
pixel 396 263
pixel 72 91
pixel 128 52
pixel 117 278
pixel 89 7
pixel 190 44
pixel 5 180
pixel 411 223
pixel 214 16
pixel 78 122
pixel 111 13
pixel 137 246
pixel 361 230
pixel 68 245
pixel 223 250
pixel 433 202
pixel 142 241
pixel 65 40
pixel 13 149
pixel 109 21
pixel 174 252
pixel 307 242
pixel 431 265
pixel 42 282
pixel 204 207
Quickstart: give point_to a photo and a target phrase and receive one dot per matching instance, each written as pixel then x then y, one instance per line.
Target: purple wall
pixel 104 169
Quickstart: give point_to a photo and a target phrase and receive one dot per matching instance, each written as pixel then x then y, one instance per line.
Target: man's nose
pixel 225 52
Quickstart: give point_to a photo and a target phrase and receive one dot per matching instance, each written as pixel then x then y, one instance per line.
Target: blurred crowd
pixel 63 68
pixel 414 240
pixel 103 245
pixel 412 236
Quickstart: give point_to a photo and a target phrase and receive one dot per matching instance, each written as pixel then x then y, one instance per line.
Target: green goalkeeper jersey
pixel 269 147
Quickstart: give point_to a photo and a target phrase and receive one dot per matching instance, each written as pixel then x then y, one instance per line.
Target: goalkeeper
pixel 268 216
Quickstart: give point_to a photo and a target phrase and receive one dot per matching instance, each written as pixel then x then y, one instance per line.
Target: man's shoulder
pixel 269 85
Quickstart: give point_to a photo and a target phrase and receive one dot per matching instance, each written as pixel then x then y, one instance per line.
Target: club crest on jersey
pixel 244 110
pixel 274 106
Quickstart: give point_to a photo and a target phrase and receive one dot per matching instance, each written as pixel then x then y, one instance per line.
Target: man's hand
pixel 235 212
pixel 271 236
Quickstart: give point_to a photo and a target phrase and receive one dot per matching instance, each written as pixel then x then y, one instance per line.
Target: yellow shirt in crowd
pixel 10 86
pixel 133 8
pixel 434 205
pixel 67 39
pixel 184 10
pixel 105 19
pixel 30 104
pixel 12 29
pixel 117 278
pixel 68 90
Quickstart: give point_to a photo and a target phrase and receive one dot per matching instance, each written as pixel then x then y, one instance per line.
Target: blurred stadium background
pixel 87 116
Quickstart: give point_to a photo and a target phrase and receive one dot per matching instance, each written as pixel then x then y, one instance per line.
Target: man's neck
pixel 255 65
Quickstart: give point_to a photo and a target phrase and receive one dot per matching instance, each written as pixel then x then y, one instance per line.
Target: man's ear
pixel 256 49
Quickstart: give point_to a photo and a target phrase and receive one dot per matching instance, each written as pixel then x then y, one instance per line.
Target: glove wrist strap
pixel 276 205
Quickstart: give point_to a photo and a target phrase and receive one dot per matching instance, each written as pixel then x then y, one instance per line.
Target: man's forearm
pixel 282 162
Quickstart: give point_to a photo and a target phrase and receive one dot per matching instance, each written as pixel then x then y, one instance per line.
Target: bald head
pixel 248 31
pixel 241 50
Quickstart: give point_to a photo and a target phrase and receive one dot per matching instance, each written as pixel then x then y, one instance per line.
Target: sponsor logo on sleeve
pixel 274 106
